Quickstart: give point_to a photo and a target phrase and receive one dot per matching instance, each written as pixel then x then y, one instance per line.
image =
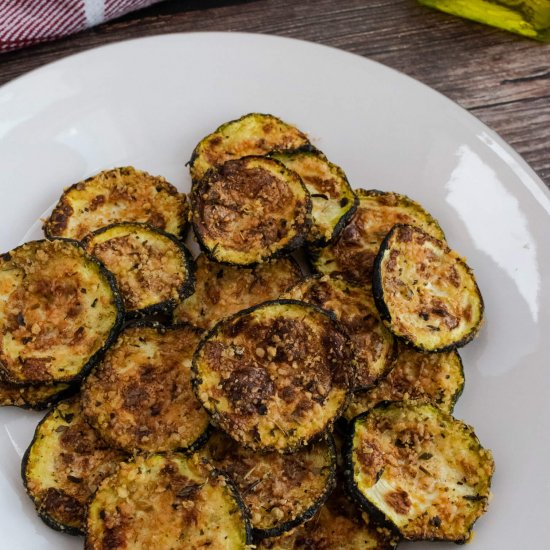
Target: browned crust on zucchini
pixel 118 195
pixel 338 525
pixel 36 397
pixel 436 378
pixel 60 310
pixel 167 501
pixel 222 290
pixel 279 490
pixel 333 200
pixel 276 375
pixel 250 210
pixel 140 396
pixel 353 253
pixel 152 268
pixel 425 292
pixel 63 466
pixel 419 467
pixel 353 305
pixel 251 134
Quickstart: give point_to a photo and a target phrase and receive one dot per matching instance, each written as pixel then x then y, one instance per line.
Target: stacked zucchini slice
pixel 229 402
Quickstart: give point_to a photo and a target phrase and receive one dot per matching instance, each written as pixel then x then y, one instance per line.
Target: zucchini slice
pixel 63 466
pixel 279 490
pixel 252 134
pixel 353 305
pixel 221 290
pixel 425 471
pixel 352 254
pixel 59 311
pixel 119 195
pixel 249 210
pixel 36 397
pixel 140 397
pixel 436 378
pixel 166 501
pixel 425 292
pixel 332 198
pixel 153 269
pixel 337 526
pixel 276 375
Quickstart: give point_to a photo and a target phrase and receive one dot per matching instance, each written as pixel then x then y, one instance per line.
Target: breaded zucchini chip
pixel 166 501
pixel 425 292
pixel 354 307
pixel 249 210
pixel 221 290
pixel 119 195
pixel 352 254
pixel 275 376
pixel 333 200
pixel 152 269
pixel 436 378
pixel 140 397
pixel 425 471
pixel 59 311
pixel 64 465
pixel 338 525
pixel 252 134
pixel 279 490
pixel 35 397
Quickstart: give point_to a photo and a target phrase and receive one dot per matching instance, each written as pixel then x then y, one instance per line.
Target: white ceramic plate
pixel 147 103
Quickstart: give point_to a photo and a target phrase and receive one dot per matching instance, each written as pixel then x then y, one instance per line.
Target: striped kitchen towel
pixel 27 22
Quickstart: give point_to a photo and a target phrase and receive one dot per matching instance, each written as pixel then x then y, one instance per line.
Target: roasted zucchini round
pixel 425 471
pixel 119 195
pixel 221 290
pixel 279 490
pixel 425 292
pixel 353 305
pixel 153 269
pixel 63 466
pixel 59 311
pixel 338 525
pixel 352 254
pixel 276 375
pixel 166 501
pixel 35 397
pixel 436 378
pixel 249 210
pixel 252 134
pixel 332 198
pixel 140 396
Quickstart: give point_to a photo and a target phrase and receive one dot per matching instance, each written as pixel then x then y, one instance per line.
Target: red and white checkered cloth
pixel 27 22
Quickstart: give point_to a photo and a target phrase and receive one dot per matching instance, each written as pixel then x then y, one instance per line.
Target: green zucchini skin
pixel 318 174
pixel 379 515
pixel 116 300
pixel 297 223
pixel 164 307
pixel 348 375
pixel 380 301
pixel 253 141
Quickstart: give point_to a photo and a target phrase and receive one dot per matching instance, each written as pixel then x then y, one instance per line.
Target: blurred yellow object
pixel 529 18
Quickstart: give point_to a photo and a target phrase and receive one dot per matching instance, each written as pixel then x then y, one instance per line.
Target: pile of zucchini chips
pixel 229 401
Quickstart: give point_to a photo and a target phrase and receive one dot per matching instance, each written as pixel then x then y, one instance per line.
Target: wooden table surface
pixel 501 78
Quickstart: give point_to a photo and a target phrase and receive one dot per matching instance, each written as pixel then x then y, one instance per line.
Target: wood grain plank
pixel 501 78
